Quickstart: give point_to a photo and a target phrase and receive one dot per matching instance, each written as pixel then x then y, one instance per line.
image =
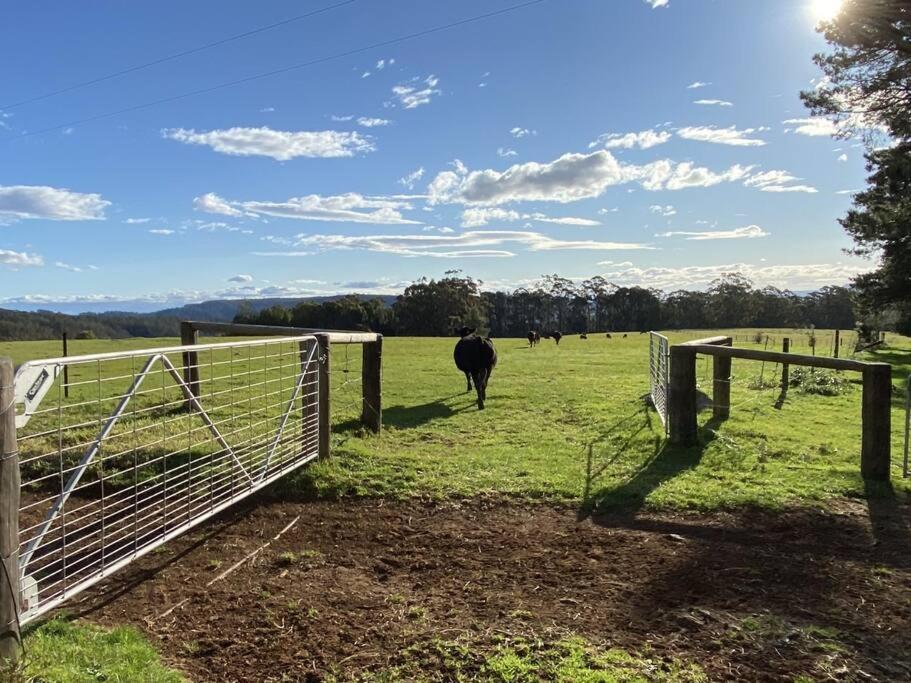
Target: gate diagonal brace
pixel 95 447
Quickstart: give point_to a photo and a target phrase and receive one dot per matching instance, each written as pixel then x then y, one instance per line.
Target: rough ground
pixel 748 596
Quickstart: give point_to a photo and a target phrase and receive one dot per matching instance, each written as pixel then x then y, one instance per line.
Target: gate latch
pixel 31 384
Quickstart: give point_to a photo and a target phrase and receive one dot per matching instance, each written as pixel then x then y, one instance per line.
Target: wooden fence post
pixel 785 368
pixel 372 385
pixel 10 637
pixel 837 341
pixel 325 374
pixel 721 384
pixel 876 421
pixel 682 397
pixel 190 335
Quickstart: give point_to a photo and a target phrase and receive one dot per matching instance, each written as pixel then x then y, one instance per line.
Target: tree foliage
pixel 867 90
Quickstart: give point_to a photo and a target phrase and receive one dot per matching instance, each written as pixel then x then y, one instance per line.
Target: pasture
pixel 552 535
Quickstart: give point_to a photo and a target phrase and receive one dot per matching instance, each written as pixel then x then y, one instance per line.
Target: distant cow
pixel 583 336
pixel 624 335
pixel 557 337
pixel 476 357
pixel 608 336
pixel 533 338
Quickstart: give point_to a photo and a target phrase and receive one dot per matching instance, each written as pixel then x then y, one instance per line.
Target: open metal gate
pixel 658 364
pixel 124 451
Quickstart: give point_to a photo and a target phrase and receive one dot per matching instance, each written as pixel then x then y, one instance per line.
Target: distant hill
pixel 25 325
pixel 224 310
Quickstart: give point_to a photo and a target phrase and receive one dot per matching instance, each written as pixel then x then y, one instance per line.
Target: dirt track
pixel 369 578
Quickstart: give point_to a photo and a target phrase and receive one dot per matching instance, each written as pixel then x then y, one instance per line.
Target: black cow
pixel 608 336
pixel 624 336
pixel 533 338
pixel 476 357
pixel 583 336
pixel 557 337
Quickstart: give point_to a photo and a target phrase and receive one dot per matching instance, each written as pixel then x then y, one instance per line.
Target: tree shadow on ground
pixel 663 464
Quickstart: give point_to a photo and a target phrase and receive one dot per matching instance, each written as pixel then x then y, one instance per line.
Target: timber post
pixel 785 368
pixel 682 397
pixel 10 635
pixel 876 422
pixel 837 341
pixel 372 385
pixel 189 335
pixel 721 384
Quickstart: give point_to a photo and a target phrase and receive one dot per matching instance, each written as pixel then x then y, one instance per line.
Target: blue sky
pixel 657 146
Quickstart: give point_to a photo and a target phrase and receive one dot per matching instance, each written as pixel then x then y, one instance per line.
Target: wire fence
pixel 132 458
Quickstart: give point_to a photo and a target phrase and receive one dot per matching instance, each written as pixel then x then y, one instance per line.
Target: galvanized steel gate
pixel 658 364
pixel 124 457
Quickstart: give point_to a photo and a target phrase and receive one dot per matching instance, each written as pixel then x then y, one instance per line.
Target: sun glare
pixel 825 10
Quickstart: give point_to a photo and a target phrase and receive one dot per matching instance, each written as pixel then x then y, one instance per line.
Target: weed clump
pixel 820 382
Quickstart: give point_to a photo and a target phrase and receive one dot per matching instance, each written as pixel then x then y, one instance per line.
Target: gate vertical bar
pixel 10 636
pixel 325 375
pixel 876 422
pixel 66 371
pixel 372 385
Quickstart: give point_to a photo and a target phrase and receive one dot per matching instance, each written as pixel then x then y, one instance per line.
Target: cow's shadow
pixel 410 416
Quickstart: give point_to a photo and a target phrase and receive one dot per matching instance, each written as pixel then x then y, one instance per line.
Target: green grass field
pixel 564 425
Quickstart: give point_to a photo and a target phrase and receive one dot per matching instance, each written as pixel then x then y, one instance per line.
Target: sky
pixel 333 146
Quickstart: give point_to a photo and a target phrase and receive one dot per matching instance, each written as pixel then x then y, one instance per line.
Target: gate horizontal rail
pixel 137 455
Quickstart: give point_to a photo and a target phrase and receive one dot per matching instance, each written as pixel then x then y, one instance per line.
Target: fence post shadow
pixel 889 521
pixel 665 462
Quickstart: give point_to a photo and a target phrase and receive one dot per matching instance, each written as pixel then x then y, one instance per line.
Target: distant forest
pixel 437 307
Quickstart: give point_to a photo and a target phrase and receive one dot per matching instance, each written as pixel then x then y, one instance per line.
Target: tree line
pixel 431 307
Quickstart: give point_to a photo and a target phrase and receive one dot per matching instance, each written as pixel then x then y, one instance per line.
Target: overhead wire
pixel 287 69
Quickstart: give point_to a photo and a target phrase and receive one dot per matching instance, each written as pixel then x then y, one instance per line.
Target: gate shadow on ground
pixel 663 464
pixel 409 417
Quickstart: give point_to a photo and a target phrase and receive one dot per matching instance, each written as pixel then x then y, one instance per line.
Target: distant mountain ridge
pixel 42 324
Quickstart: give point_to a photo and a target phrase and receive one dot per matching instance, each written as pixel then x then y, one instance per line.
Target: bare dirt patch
pixel 748 596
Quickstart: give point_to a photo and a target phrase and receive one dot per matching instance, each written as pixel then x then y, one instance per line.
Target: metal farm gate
pixel 658 364
pixel 136 447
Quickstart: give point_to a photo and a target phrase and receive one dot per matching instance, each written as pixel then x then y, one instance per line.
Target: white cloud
pixel 67 266
pixel 410 180
pixel 476 217
pixel 518 132
pixel 136 221
pixel 569 178
pixel 793 276
pixel 412 96
pixel 474 244
pixel 605 211
pixel 843 157
pixel 665 211
pixel 645 139
pixel 697 84
pixel 776 181
pixel 19 259
pixel 161 231
pixel 717 103
pixel 241 279
pixel 49 203
pixel 372 122
pixel 721 136
pixel 506 152
pixel 656 3
pixel 815 126
pixel 278 144
pixel 348 208
pixel 748 232
pixel 347 117
pixel 267 110
pixel 366 74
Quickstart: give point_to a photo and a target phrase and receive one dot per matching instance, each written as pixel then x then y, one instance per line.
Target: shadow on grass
pixel 888 520
pixel 663 464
